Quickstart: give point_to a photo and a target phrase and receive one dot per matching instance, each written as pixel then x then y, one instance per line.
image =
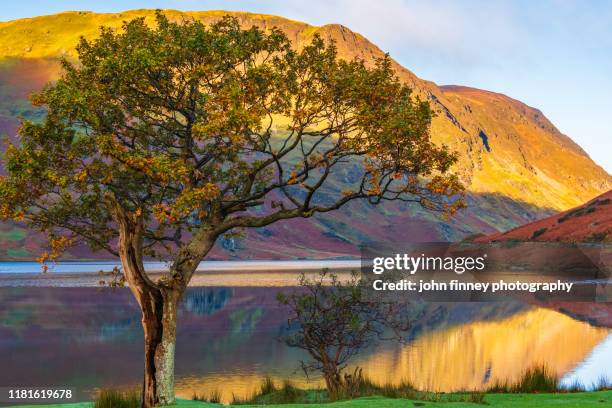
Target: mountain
pixel 516 165
pixel 590 222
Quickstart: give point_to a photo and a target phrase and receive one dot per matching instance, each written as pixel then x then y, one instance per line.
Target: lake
pixel 229 329
pixel 206 266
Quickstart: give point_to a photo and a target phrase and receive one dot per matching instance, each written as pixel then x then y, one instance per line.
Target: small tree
pixel 333 320
pixel 161 139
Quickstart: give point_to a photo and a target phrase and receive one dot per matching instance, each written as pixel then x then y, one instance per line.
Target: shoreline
pixel 209 278
pixel 209 273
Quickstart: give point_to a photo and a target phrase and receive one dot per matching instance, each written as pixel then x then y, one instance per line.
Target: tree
pixel 161 139
pixel 333 320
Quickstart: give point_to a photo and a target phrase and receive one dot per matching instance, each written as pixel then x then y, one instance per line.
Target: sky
pixel 555 55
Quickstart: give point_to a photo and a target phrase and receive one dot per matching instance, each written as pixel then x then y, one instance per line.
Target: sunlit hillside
pixel 516 165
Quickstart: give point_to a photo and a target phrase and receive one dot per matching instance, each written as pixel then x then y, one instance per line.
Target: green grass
pixel 577 400
pixel 18 253
pixel 14 234
pixel 117 399
pixel 536 379
pixel 214 397
pixel 537 386
pixel 269 393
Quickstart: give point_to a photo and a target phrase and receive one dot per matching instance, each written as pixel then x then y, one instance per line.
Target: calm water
pixel 228 341
pixel 107 266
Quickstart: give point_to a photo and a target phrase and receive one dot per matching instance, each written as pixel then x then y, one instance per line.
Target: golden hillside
pixel 506 147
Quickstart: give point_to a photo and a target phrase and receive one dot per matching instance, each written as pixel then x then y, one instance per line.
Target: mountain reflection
pixel 228 341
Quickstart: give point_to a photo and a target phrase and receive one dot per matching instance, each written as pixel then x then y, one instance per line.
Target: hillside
pixel 516 165
pixel 590 222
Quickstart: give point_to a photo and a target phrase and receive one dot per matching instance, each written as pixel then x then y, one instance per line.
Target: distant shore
pixel 209 273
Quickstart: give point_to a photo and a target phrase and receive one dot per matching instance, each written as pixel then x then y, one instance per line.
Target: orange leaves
pixel 160 167
pixel 57 179
pixel 18 215
pixel 10 198
pixel 293 178
pixel 441 185
pixel 81 176
pixel 189 201
pixel 163 213
pixel 9 213
pixel 108 178
pixel 375 190
pixel 43 259
pixel 58 244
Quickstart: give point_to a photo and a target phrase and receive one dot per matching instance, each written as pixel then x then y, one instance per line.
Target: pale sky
pixel 555 55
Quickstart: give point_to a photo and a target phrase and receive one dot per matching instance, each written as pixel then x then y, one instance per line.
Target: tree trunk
pixel 159 324
pixel 333 382
pixel 158 304
pixel 157 300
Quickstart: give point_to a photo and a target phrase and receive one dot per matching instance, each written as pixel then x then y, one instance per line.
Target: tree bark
pixel 332 381
pixel 157 300
pixel 159 325
pixel 158 305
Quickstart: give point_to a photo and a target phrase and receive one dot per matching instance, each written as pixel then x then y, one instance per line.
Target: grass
pixel 537 379
pixel 588 209
pixel 117 399
pixel 13 235
pixel 213 397
pixel 18 253
pixel 597 399
pixel 537 387
pixel 539 232
pixel 602 384
pixel 269 393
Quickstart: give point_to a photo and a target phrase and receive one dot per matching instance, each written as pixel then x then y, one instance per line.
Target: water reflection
pixel 228 341
pixel 475 355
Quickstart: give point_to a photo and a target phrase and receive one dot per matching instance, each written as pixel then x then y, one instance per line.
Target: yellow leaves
pixel 8 213
pixel 81 176
pixel 450 209
pixel 162 213
pixel 108 178
pixel 441 185
pixel 18 215
pixel 190 200
pixel 57 179
pixel 293 178
pixel 161 168
pixel 5 212
pixel 11 197
pixel 58 244
pixel 42 259
pixel 375 190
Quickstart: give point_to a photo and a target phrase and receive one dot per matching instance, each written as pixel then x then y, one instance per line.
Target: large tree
pixel 161 138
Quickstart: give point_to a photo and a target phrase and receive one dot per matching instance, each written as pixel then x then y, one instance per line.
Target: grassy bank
pixel 580 399
pixel 537 387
